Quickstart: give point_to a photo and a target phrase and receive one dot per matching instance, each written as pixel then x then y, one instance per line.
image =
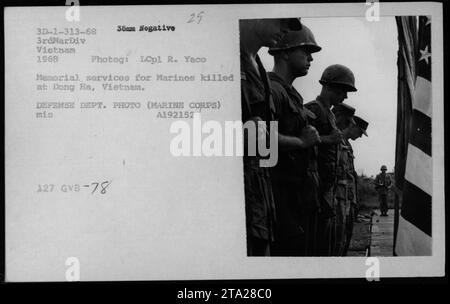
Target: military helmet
pixel 344 109
pixel 303 38
pixel 383 167
pixel 339 74
pixel 295 24
pixel 361 123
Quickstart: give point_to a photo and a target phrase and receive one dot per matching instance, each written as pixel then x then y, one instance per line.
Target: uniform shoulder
pixel 279 93
pixel 277 87
pixel 314 107
pixel 276 84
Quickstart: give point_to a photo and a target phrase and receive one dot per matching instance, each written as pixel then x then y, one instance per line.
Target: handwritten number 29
pixel 196 17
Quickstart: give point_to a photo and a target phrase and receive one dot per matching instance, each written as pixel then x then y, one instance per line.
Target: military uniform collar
pixel 321 103
pixel 275 77
pixel 320 100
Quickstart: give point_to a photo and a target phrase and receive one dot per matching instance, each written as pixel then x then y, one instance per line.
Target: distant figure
pixel 382 184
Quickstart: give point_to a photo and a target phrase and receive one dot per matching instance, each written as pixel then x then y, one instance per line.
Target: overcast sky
pixel 369 49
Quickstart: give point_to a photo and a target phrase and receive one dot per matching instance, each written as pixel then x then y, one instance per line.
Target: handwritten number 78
pixel 103 186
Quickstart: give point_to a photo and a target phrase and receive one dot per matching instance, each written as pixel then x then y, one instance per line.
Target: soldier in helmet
pixel 337 80
pixel 256 103
pixel 356 131
pixel 295 177
pixel 346 185
pixel 382 184
pixel 344 177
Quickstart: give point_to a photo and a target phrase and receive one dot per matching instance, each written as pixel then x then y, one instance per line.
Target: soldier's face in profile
pixel 339 94
pixel 300 61
pixel 355 132
pixel 271 31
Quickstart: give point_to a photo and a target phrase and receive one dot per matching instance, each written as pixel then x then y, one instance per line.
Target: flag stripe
pixel 419 169
pixel 416 207
pixel 405 91
pixel 422 96
pixel 421 131
pixel 413 233
pixel 412 241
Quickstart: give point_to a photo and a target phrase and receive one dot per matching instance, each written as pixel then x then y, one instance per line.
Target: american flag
pixel 413 237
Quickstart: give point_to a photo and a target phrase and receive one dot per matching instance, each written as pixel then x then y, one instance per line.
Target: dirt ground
pixel 361 234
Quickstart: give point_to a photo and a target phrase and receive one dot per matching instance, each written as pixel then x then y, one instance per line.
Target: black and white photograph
pixel 330 82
